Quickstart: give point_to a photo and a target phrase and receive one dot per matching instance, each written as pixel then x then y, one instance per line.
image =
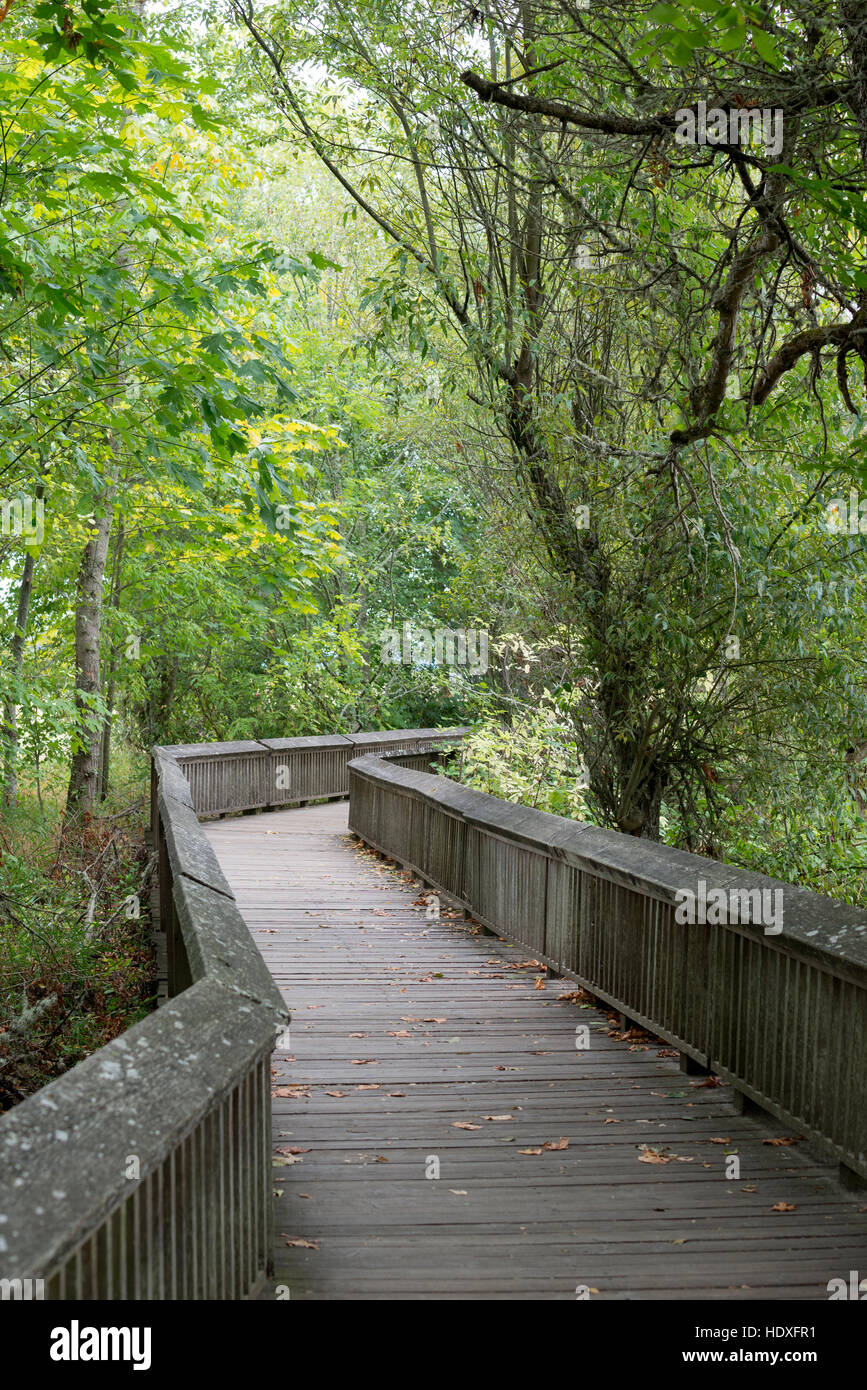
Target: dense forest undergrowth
pixel 422 366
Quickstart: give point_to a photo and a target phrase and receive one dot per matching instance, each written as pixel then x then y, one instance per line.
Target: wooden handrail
pixel 145 1171
pixel 781 1014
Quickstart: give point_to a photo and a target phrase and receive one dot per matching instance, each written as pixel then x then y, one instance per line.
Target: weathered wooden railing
pixel 782 1015
pixel 145 1171
pixel 275 772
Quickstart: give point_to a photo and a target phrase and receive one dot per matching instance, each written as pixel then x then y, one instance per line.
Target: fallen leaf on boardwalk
pixel 284 1162
pixel 498 1117
pixel 356 1035
pixel 302 1244
pixel 707 1165
pixel 784 1140
pixel 556 1144
pixel 297 1092
pixel 431 1020
pixel 458 1191
pixel 650 1155
pixel 368 1086
pixel 404 1033
pixel 396 1095
pixel 464 1124
pixel 540 983
pixel 709 1081
pixel 516 986
pixel 784 1206
pixel 304 1194
pixel 418 1020
pixel 278 1191
pixel 293 1149
pixel 502 1068
pixel 680 1241
pixel 338 1095
pixel 575 996
pixel 363 1062
pixel 719 1141
pixel 611 1122
pixel 668 1052
pixel 316 1006
pixel 381 1158
pixel 533 1152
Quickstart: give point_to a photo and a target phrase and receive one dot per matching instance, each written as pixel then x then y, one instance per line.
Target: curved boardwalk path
pixel 404 1029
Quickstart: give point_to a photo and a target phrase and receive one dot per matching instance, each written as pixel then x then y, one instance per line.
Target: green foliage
pixel 75 969
pixel 318 339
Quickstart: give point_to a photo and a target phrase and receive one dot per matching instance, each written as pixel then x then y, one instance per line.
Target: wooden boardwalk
pixel 420 1046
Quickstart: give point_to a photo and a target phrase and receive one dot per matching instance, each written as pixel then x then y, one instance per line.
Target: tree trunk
pixel 16 675
pixel 88 625
pixel 105 751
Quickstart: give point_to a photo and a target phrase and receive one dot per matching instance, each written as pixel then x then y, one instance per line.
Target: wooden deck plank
pixel 452 1032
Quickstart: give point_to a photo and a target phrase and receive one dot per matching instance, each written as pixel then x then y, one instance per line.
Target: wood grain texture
pixel 352 952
